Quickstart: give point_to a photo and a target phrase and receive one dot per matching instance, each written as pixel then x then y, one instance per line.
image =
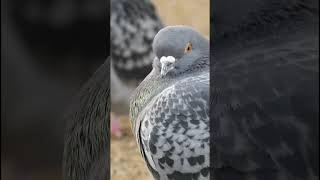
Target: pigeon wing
pixel 264 112
pixel 174 129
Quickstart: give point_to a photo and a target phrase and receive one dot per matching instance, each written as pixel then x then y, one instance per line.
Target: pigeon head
pixel 179 49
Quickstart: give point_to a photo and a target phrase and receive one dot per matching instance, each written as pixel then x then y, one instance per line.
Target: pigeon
pixel 86 142
pixel 169 110
pixel 264 107
pixel 134 23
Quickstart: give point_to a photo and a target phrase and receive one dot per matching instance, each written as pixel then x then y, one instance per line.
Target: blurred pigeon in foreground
pixel 170 108
pixel 134 23
pixel 265 90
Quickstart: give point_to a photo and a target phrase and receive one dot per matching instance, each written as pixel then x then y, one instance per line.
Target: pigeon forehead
pixel 172 40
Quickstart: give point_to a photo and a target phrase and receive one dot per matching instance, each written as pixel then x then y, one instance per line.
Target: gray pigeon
pixel 134 23
pixel 170 108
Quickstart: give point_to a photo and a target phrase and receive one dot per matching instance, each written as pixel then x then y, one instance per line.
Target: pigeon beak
pixel 167 64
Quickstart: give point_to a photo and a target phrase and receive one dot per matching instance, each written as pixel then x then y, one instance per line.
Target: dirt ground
pixel 126 161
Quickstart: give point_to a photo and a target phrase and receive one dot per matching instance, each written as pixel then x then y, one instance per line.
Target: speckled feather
pixel 174 131
pixel 134 23
pixel 170 121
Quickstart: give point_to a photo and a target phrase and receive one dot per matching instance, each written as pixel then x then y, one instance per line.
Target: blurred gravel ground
pixel 195 13
pixel 126 161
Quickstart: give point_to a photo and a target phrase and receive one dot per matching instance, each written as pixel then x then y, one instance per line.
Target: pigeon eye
pixel 188 48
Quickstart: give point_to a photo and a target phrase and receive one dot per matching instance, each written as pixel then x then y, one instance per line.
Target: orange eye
pixel 188 48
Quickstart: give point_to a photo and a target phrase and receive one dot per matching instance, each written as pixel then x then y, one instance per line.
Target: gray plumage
pixel 265 90
pixel 169 110
pixel 134 23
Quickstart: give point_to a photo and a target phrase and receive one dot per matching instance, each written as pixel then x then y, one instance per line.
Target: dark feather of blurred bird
pixel 86 145
pixel 134 23
pixel 265 90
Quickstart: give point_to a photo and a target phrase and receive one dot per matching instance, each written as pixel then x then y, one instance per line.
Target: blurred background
pixel 49 48
pixel 185 12
pixel 126 161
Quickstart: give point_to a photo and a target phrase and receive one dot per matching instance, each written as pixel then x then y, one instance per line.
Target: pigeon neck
pixel 145 92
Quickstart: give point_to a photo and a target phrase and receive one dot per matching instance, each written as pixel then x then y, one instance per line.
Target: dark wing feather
pixel 264 112
pixel 86 142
